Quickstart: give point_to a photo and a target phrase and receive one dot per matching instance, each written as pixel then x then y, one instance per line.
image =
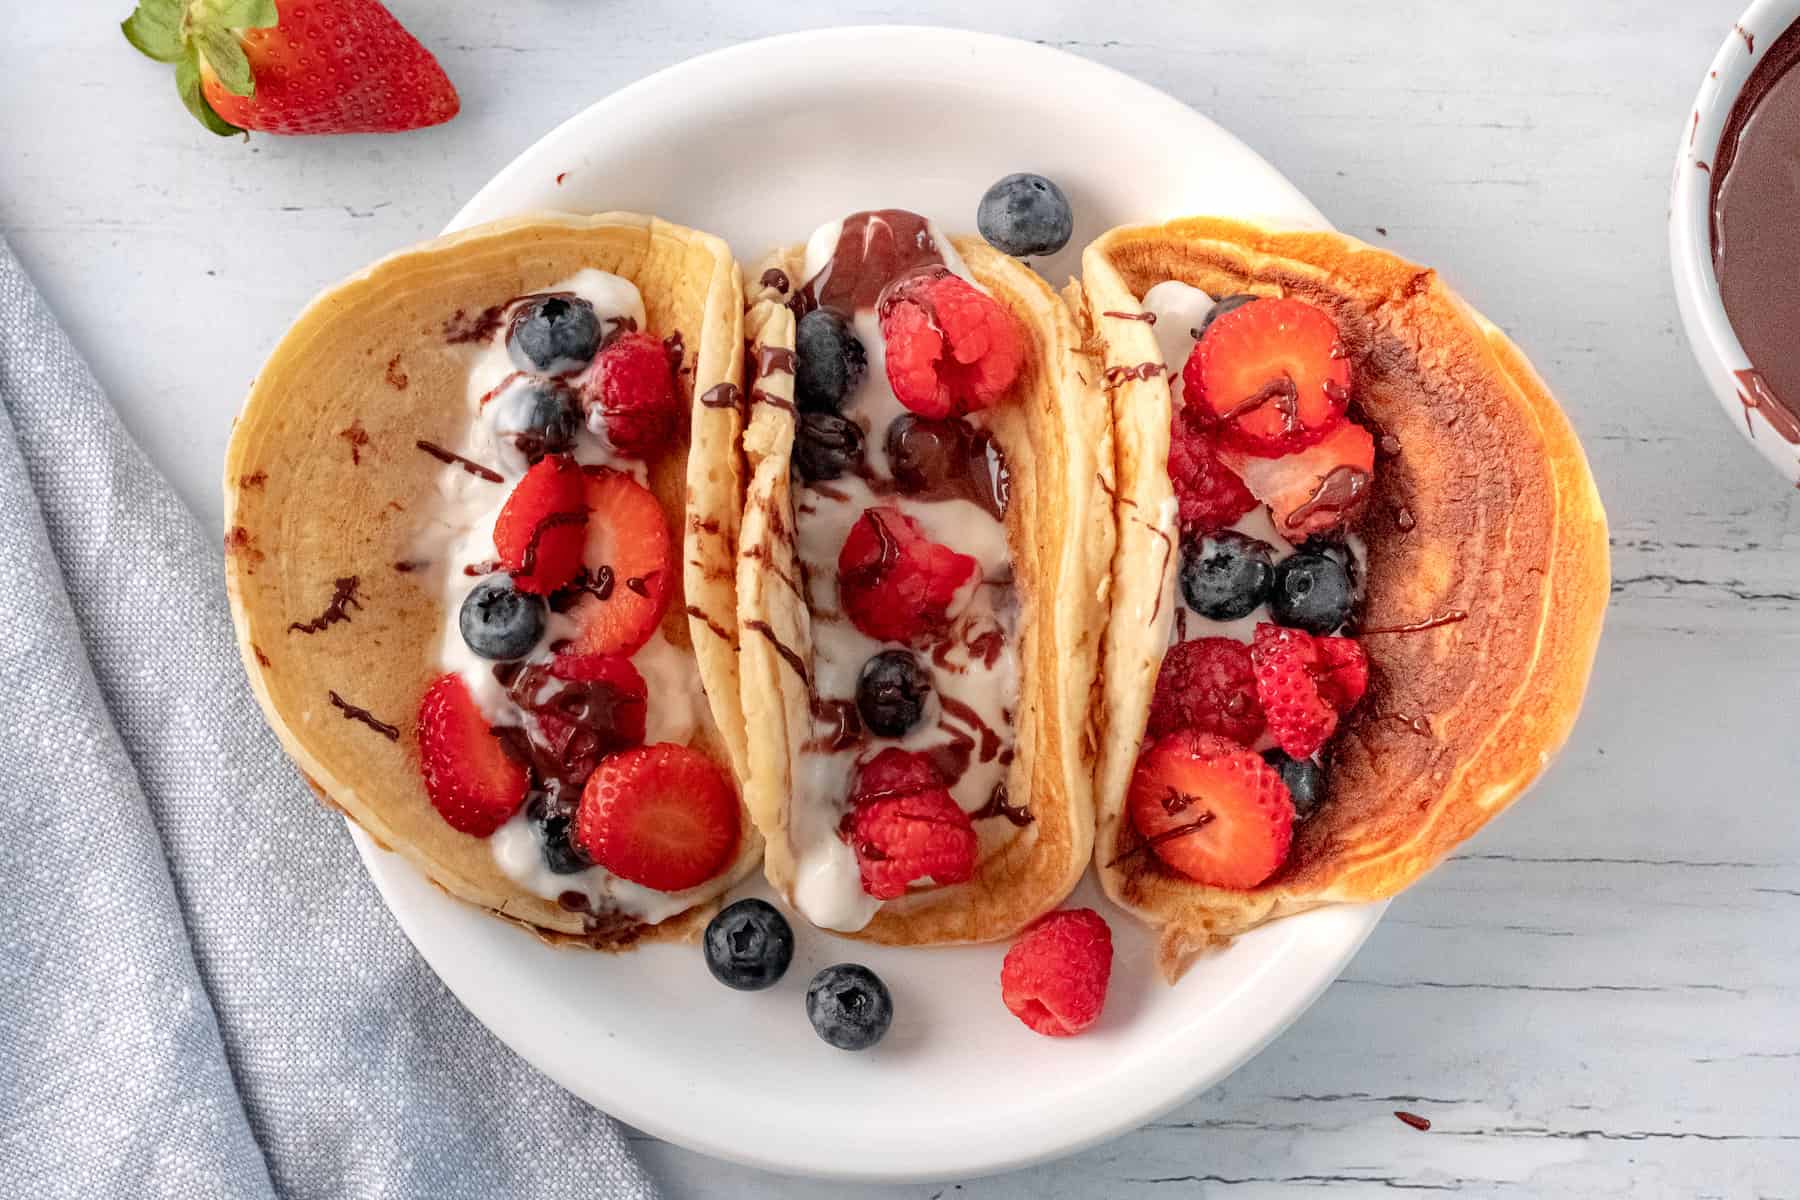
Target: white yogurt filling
pixel 459 533
pixel 1180 308
pixel 828 885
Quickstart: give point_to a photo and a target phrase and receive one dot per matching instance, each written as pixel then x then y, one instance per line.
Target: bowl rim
pixel 1710 335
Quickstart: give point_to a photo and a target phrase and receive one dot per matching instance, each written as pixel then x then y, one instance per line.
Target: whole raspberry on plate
pixel 951 348
pixel 1209 492
pixel 1211 809
pixel 469 777
pixel 894 583
pixel 1306 683
pixel 629 392
pixel 905 827
pixel 1054 977
pixel 663 816
pixel 1272 374
pixel 1207 684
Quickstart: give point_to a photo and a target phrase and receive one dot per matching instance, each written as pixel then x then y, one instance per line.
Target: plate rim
pixel 1161 1090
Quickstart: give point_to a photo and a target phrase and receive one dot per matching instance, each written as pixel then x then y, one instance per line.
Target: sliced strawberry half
pixel 1211 809
pixel 471 780
pixel 628 562
pixel 1273 374
pixel 543 525
pixel 1305 684
pixel 663 816
pixel 895 583
pixel 1315 489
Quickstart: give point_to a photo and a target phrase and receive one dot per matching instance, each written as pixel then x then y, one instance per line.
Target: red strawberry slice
pixel 905 827
pixel 894 583
pixel 1211 809
pixel 1306 683
pixel 630 388
pixel 951 348
pixel 1315 489
pixel 1272 373
pixel 1210 685
pixel 629 565
pixel 662 816
pixel 318 66
pixel 543 525
pixel 471 780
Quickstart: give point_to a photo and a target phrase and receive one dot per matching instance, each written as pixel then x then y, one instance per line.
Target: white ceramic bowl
pixel 760 143
pixel 1727 368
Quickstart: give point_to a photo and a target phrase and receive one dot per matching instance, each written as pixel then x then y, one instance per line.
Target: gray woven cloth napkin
pixel 201 994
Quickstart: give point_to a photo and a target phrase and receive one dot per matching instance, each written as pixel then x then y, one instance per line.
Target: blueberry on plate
pixel 538 417
pixel 553 334
pixel 1220 309
pixel 1312 592
pixel 826 445
pixel 1226 575
pixel 1305 780
pixel 499 621
pixel 1025 214
pixel 849 1006
pixel 891 693
pixel 552 820
pixel 830 361
pixel 749 946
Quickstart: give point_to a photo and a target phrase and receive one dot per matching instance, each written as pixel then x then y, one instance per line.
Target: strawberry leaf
pixel 220 49
pixel 155 29
pixel 240 14
pixel 187 82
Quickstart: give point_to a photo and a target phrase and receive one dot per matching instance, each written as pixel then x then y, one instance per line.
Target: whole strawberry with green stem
pixel 300 66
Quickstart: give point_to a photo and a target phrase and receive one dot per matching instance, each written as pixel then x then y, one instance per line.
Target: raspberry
pixel 1208 684
pixel 1210 494
pixel 894 583
pixel 630 391
pixel 1306 683
pixel 1211 809
pixel 951 348
pixel 904 826
pixel 1054 977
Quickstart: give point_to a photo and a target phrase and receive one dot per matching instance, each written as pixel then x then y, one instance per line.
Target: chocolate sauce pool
pixel 1756 226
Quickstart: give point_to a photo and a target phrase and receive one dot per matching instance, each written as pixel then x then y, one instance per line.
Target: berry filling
pixel 1269 476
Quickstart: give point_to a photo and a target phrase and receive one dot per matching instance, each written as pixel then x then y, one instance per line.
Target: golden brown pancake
pixel 1054 433
pixel 1482 504
pixel 325 483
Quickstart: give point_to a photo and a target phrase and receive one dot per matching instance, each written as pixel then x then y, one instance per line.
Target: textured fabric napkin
pixel 201 994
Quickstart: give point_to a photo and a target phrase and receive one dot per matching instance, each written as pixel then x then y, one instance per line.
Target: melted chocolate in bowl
pixel 1756 227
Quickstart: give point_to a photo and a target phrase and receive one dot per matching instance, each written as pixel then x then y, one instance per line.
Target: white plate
pixel 760 143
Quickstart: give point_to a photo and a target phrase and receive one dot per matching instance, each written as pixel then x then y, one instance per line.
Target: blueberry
pixel 1221 308
pixel 1226 575
pixel 537 417
pixel 831 361
pixel 1312 592
pixel 1305 780
pixel 553 334
pixel 749 946
pixel 552 820
pixel 849 1006
pixel 826 445
pixel 1024 215
pixel 891 693
pixel 498 620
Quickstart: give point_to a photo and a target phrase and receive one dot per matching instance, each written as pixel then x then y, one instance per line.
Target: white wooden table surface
pixel 1601 995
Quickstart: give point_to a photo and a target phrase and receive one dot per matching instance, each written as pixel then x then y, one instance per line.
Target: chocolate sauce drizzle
pixel 1144 370
pixel 1338 492
pixel 873 248
pixel 722 395
pixel 556 520
pixel 343 598
pixel 997 806
pixel 774 360
pixel 1168 835
pixel 776 278
pixel 1448 618
pixel 787 652
pixel 705 618
pixel 447 457
pixel 353 713
pixel 1148 318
